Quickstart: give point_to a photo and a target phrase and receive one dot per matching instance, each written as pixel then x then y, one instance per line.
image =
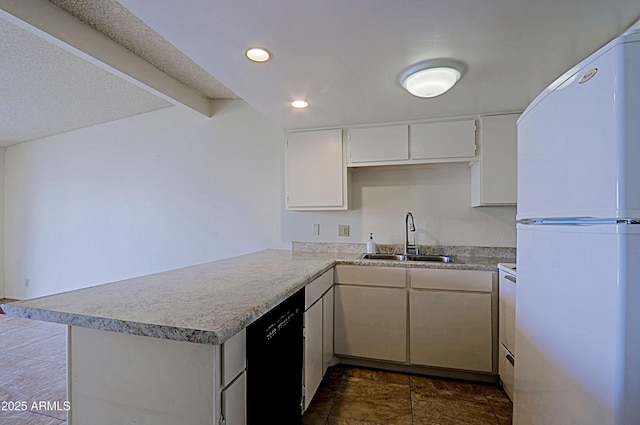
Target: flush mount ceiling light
pixel 300 104
pixel 257 54
pixel 431 78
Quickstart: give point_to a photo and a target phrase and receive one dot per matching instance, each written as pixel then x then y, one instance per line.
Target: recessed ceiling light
pixel 257 54
pixel 431 78
pixel 300 104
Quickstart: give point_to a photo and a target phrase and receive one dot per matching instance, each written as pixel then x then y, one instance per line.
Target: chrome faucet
pixel 409 226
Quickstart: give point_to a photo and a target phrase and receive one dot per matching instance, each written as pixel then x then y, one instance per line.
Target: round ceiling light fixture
pixel 431 78
pixel 257 54
pixel 300 104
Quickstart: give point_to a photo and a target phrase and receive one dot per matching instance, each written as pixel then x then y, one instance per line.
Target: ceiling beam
pixel 56 26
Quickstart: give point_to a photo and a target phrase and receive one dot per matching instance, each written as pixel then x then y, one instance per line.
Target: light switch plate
pixel 343 230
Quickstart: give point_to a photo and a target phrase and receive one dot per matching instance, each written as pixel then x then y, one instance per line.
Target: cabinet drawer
pixel 233 357
pixel 371 276
pixel 452 280
pixel 314 290
pixel 506 371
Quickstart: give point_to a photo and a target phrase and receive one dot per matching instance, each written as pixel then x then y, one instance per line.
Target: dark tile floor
pixel 357 396
pixel 33 369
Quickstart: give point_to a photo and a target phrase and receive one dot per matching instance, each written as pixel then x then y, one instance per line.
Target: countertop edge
pixel 226 331
pixel 421 264
pixel 114 325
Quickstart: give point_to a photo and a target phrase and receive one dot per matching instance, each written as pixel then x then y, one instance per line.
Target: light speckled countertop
pixel 206 303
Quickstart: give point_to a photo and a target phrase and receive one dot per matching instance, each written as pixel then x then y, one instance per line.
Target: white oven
pixel 507 326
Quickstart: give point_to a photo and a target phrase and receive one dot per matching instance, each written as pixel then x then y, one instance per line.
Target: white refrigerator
pixel 578 302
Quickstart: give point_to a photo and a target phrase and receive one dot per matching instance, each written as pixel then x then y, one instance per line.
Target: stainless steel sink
pixel 409 257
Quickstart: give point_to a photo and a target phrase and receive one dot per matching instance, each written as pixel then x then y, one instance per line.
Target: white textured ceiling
pixel 46 90
pixel 344 57
pixel 113 20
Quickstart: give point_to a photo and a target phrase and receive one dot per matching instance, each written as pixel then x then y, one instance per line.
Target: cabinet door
pixel 327 330
pixel 313 350
pixel 451 330
pixel 440 140
pixel 378 144
pixel 234 402
pixel 493 177
pixel 371 322
pixel 315 171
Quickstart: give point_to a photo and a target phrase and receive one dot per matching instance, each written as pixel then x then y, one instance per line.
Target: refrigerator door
pixel 578 325
pixel 578 144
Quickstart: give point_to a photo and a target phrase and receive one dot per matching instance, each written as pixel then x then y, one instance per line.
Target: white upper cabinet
pixel 316 175
pixel 451 141
pixel 377 144
pixel 493 177
pixel 443 140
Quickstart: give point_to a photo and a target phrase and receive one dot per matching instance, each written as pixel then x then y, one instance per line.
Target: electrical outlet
pixel 315 229
pixel 343 230
pixel 26 283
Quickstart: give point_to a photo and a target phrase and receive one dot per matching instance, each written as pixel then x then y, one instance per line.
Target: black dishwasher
pixel 274 364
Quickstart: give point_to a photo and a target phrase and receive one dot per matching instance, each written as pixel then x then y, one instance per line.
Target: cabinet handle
pixel 511 359
pixel 509 277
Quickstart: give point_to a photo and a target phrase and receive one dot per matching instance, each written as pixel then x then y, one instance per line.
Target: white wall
pixel 169 189
pixel 140 195
pixel 438 195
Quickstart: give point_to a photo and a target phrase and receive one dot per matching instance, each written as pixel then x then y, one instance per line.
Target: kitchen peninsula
pixel 175 353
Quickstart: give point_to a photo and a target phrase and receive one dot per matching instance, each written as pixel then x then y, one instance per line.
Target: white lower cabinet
pixel 313 350
pixel 453 319
pixel 371 312
pixel 233 407
pixel 328 302
pixel 234 403
pixel 420 317
pixel 371 322
pixel 318 333
pixel 125 379
pixel 451 330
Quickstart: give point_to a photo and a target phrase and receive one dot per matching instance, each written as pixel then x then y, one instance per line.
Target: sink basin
pixel 394 257
pixel 409 257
